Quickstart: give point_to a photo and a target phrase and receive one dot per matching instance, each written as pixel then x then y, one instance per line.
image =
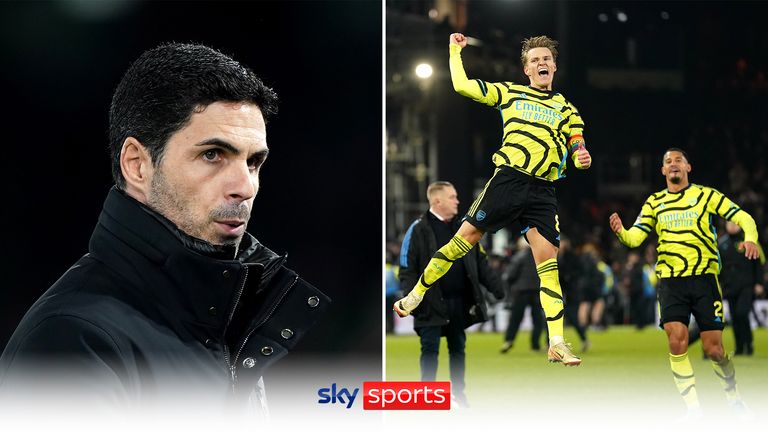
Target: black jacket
pixel 521 273
pixel 419 244
pixel 737 273
pixel 151 312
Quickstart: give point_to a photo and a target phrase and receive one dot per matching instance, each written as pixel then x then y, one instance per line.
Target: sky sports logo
pixel 391 395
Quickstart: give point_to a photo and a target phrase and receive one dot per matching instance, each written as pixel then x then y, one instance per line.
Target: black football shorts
pixel 511 195
pixel 699 295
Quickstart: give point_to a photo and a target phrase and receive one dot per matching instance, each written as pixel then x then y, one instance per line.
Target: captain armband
pixel 575 141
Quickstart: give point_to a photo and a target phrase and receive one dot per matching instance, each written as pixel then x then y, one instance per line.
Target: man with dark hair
pixel 457 301
pixel 541 129
pixel 174 298
pixel 687 267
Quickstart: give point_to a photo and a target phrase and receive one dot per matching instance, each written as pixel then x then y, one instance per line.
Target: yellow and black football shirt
pixel 683 222
pixel 539 126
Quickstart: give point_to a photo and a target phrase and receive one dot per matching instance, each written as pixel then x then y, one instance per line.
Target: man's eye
pixel 211 155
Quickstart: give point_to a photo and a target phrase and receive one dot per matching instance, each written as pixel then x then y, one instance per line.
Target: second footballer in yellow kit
pixel 541 129
pixel 687 266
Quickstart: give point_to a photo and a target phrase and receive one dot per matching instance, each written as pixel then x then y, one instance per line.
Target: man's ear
pixel 136 165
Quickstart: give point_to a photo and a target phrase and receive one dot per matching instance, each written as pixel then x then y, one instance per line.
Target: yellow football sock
pixel 727 375
pixel 551 296
pixel 684 379
pixel 441 262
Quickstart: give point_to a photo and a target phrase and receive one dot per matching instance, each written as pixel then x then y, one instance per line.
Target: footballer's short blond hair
pixel 538 42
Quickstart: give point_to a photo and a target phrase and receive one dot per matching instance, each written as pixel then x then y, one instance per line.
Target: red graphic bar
pixel 406 395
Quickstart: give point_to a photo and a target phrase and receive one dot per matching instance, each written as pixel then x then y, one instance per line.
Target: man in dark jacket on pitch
pixel 173 299
pixel 741 279
pixel 456 301
pixel 524 286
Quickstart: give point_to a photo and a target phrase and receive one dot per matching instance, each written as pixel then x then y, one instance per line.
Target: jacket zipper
pixel 259 324
pixel 231 314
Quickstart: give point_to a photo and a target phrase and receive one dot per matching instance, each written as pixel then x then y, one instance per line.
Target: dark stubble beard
pixel 165 199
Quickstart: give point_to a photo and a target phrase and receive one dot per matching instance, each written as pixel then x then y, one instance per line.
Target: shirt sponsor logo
pixel 679 219
pixel 531 111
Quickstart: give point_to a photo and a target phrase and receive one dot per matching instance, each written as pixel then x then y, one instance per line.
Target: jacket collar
pixel 166 238
pixel 188 278
pixel 428 216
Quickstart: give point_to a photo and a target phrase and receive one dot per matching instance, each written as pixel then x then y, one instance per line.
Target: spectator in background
pixel 572 279
pixel 634 280
pixel 455 301
pixel 524 287
pixel 592 302
pixel 741 280
pixel 650 280
pixel 498 265
pixel 597 286
pixel 608 298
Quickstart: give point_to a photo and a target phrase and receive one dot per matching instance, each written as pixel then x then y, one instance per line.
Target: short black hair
pixel 675 149
pixel 163 88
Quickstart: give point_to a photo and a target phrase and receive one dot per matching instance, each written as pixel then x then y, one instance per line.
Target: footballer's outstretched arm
pixel 474 89
pixel 633 237
pixel 747 224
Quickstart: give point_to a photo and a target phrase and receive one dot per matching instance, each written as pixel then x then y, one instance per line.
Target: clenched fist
pixel 615 221
pixel 583 157
pixel 458 39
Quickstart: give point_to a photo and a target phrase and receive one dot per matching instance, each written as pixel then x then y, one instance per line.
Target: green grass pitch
pixel 624 368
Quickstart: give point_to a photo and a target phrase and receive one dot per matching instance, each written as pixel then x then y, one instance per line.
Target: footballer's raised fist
pixel 615 222
pixel 459 39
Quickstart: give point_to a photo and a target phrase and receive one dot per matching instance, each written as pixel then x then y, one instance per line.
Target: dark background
pixel 320 197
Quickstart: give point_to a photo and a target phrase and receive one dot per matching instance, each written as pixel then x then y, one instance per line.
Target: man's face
pixel 209 173
pixel 447 202
pixel 675 167
pixel 540 68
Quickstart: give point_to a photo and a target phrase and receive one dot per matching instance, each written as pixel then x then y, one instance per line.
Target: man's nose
pixel 241 183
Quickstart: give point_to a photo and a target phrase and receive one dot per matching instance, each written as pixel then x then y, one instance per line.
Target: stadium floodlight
pixel 602 17
pixel 621 16
pixel 423 70
pixel 664 15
